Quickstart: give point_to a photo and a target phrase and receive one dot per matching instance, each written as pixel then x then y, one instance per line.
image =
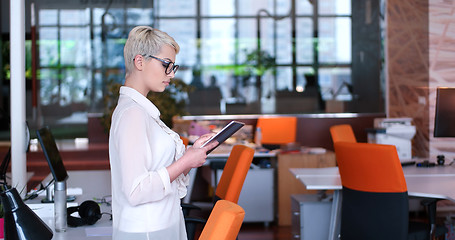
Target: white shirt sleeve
pixel 139 184
pixel 183 181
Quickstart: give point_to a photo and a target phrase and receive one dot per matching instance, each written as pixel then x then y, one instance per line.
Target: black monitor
pixel 444 120
pixel 52 154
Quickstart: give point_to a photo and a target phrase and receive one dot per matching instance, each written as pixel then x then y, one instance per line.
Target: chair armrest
pixel 187 207
pixel 191 224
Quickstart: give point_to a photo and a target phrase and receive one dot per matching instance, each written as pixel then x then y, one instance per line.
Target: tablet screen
pixel 224 134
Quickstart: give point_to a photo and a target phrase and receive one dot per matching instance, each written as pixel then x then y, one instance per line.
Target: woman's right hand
pixel 196 156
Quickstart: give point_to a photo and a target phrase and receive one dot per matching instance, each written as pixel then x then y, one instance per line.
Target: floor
pixel 257 231
pixel 249 230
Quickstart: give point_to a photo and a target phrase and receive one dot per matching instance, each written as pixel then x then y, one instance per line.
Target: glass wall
pixel 240 56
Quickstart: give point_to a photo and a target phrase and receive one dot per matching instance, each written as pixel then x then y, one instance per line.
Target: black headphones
pixel 89 211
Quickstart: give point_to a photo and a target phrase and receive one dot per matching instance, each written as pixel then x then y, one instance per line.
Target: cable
pixel 35 193
pixel 104 200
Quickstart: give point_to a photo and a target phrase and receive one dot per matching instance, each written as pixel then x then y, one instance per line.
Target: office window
pixel 252 7
pixel 217 42
pixel 304 8
pixel 305 40
pixel 48 47
pixel 284 79
pixel 302 82
pixel 183 31
pixel 335 40
pixel 74 49
pixel 334 7
pixel 74 17
pixel 176 8
pixel 214 8
pixel 247 40
pixel 139 15
pixel 335 83
pixel 283 45
pixel 219 49
pixel 49 86
pixel 47 17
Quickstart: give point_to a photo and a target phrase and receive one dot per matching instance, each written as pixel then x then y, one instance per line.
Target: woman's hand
pixel 194 157
pixel 202 139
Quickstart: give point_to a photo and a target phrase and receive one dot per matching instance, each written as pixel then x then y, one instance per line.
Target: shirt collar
pixel 151 109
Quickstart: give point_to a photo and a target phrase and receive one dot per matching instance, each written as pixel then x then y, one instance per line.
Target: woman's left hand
pixel 202 139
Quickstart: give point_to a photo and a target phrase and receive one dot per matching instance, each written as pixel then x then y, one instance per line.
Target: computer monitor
pixel 52 154
pixel 444 120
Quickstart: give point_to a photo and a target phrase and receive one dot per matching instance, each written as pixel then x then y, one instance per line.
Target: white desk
pixel 434 182
pixel 95 184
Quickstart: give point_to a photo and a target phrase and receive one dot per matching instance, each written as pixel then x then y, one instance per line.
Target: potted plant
pixel 256 64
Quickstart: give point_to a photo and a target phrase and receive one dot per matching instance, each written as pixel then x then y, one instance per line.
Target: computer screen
pixel 444 120
pixel 52 154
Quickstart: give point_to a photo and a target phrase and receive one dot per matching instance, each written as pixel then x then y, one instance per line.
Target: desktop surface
pixel 433 182
pixel 95 185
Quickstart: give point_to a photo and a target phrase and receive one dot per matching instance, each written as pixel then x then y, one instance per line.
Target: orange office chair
pixel 224 222
pixel 185 140
pixel 277 130
pixel 375 198
pixel 234 173
pixel 230 184
pixel 342 133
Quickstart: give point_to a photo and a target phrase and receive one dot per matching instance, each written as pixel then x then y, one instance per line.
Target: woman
pixel 149 164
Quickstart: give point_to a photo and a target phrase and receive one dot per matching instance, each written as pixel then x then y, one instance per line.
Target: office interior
pixel 325 62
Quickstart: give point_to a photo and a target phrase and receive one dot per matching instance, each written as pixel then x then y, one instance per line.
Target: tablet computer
pixel 224 134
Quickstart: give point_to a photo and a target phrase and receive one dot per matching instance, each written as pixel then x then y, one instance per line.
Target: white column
pixel 17 98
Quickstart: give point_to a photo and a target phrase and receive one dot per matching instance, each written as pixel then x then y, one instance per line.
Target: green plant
pixel 6 68
pixel 170 102
pixel 257 63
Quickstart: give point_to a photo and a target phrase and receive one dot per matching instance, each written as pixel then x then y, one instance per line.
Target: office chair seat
pixel 224 222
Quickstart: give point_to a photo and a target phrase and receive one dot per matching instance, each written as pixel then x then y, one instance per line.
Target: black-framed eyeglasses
pixel 168 65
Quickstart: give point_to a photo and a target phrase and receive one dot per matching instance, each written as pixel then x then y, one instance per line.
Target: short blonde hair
pixel 145 40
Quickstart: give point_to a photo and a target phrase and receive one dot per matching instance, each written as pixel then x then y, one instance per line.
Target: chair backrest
pixel 277 130
pixel 185 140
pixel 234 173
pixel 375 199
pixel 370 167
pixel 342 133
pixel 224 222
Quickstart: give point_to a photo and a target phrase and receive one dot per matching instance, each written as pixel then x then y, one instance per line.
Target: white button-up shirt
pixel 145 204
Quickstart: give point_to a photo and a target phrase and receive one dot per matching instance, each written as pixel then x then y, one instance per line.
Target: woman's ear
pixel 139 62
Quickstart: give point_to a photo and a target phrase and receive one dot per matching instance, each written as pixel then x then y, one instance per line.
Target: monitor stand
pixel 50 196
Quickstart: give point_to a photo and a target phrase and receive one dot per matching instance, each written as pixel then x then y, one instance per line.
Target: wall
pixel 407 66
pixel 420 57
pixel 442 66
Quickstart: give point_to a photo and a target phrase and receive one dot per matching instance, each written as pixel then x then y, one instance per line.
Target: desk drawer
pixel 310 217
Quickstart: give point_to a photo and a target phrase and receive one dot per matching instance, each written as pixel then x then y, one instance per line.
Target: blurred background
pixel 237 57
